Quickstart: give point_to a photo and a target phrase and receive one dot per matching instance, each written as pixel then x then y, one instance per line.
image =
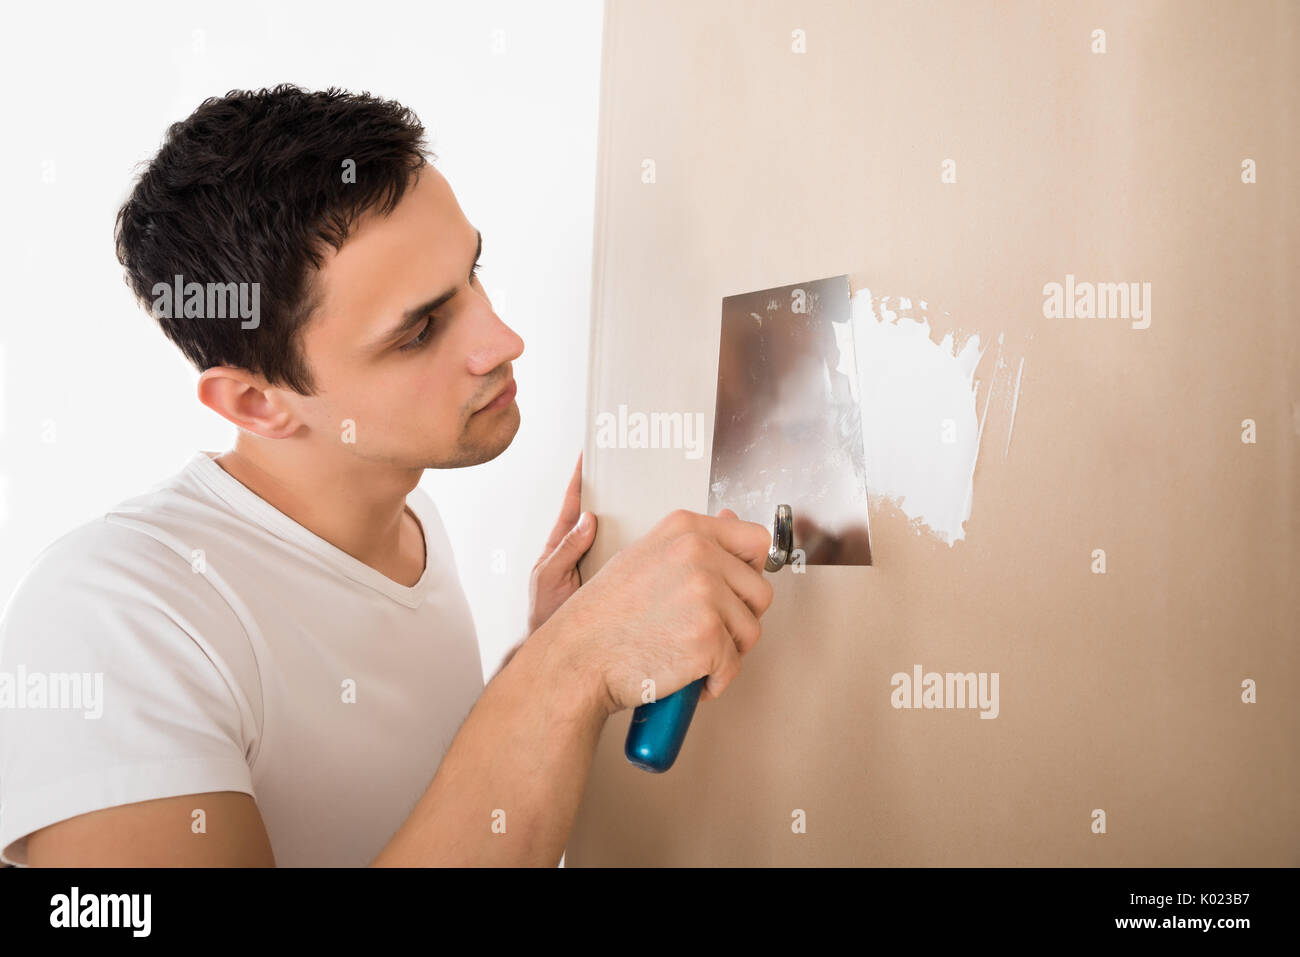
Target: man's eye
pixel 420 339
pixel 423 337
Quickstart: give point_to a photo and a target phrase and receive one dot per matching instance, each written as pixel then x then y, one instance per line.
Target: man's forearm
pixel 508 789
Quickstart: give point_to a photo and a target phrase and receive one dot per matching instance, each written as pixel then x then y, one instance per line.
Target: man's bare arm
pixel 158 834
pixel 508 789
pixel 525 749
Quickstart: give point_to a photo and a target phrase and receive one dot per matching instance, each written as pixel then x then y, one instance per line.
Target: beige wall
pixel 1119 691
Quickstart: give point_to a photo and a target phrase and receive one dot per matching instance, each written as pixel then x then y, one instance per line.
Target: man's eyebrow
pixel 411 317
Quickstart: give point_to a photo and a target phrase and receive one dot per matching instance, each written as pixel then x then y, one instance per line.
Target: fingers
pixel 748 585
pixel 723 671
pixel 741 620
pixel 569 511
pixel 573 496
pixel 731 553
pixel 738 553
pixel 748 541
pixel 575 544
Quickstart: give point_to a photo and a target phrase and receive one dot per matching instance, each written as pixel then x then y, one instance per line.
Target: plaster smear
pixel 921 429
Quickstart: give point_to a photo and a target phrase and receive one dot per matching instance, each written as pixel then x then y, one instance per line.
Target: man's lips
pixel 503 397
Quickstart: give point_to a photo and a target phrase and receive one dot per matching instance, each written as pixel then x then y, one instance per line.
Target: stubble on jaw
pixel 475 452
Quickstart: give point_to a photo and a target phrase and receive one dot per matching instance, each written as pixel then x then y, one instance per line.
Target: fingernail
pixel 584 522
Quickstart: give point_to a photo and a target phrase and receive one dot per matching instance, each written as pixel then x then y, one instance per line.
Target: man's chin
pixel 486 439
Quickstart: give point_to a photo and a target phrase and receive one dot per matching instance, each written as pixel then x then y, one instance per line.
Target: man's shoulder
pixel 107 597
pixel 104 542
pixel 148 523
pixel 137 551
pixel 97 558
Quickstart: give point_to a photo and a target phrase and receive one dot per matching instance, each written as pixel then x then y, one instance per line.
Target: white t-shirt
pixel 236 651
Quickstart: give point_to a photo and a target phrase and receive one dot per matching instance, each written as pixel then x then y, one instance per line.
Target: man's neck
pixel 358 507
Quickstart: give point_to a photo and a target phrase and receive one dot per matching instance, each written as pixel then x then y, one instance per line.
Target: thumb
pixel 578 539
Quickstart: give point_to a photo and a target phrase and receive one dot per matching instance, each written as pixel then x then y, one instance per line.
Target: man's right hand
pixel 681 602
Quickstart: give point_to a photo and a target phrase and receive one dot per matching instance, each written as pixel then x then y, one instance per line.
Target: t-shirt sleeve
pixel 122 679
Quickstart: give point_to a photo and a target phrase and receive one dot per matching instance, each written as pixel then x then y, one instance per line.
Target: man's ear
pixel 248 401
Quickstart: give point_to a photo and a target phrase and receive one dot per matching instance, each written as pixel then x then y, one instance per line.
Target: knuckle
pixel 701 589
pixel 677 518
pixel 709 636
pixel 708 627
pixel 692 546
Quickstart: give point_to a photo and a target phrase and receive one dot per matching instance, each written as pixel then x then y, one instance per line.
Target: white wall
pixel 96 405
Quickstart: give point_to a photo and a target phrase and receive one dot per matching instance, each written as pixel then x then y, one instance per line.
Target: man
pixel 286 652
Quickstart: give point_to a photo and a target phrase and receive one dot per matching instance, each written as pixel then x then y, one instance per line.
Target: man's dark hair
pixel 251 188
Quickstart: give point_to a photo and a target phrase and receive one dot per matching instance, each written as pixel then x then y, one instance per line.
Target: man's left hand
pixel 555 575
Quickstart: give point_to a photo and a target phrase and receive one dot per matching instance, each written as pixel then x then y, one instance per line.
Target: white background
pixel 96 405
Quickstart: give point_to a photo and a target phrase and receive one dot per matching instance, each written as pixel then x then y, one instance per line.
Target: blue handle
pixel 657 730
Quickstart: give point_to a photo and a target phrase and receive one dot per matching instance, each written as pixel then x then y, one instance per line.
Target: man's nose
pixel 502 344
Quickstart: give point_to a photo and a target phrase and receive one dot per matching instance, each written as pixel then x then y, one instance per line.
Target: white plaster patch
pixel 920 428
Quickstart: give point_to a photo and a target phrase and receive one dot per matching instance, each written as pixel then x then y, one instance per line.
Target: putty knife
pixel 787 453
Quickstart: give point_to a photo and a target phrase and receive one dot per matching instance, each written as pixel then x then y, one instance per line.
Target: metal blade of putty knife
pixel 787 438
pixel 788 423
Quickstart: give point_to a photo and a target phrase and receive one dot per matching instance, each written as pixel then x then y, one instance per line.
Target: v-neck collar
pixel 204 467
